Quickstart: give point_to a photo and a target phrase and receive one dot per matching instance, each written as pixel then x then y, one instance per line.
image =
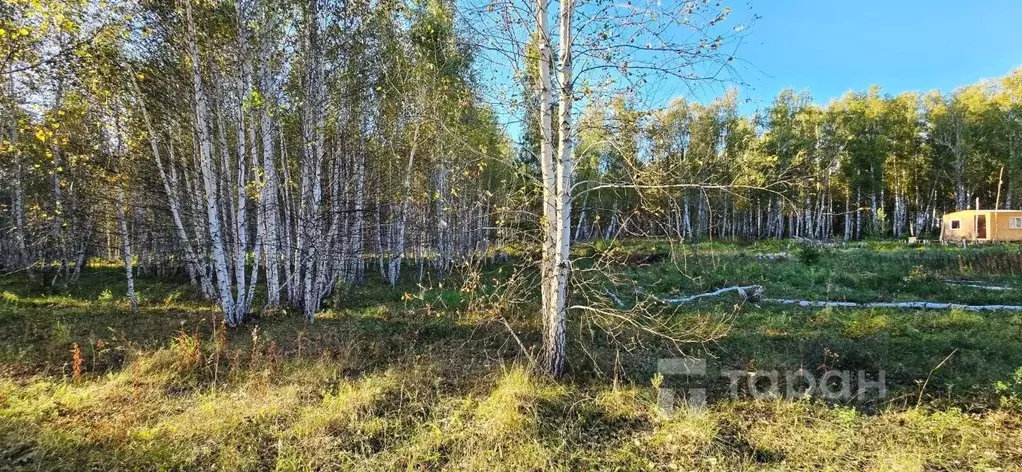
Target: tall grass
pixel 381 383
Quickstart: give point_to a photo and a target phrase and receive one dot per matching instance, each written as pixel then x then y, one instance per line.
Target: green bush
pixel 809 254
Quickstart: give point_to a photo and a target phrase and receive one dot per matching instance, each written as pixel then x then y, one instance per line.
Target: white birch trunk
pixel 311 172
pixel 397 249
pixel 242 86
pixel 208 178
pixel 549 176
pixel 19 214
pixel 686 216
pixel 355 264
pixel 556 311
pixel 443 225
pixel 18 199
pixel 122 221
pixel 20 258
pixel 268 198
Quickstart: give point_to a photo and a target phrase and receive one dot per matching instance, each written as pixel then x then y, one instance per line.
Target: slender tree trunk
pixel 554 343
pixel 197 210
pixel 398 246
pixel 858 215
pixel 268 207
pixel 443 226
pixel 310 231
pixel 19 212
pixel 687 217
pixel 961 193
pixel 553 354
pixel 122 221
pixel 356 264
pixel 170 187
pixel 243 82
pixel 208 177
pixel 21 258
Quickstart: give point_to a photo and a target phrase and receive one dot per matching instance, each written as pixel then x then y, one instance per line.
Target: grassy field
pixel 424 378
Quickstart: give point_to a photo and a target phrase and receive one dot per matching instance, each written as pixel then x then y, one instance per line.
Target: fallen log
pixel 617 300
pixel 774 256
pixel 919 305
pixel 748 292
pixel 979 285
pixel 755 293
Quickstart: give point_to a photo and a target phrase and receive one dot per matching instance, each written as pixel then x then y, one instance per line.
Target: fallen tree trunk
pixel 617 300
pixel 920 305
pixel 748 292
pixel 979 285
pixel 755 293
pixel 775 256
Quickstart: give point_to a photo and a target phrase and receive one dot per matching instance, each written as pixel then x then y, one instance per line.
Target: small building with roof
pixel 982 225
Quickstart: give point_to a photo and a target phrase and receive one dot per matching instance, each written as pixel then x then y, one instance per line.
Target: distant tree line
pixel 865 165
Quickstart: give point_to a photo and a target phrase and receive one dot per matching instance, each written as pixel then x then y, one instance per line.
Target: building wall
pixel 1001 231
pixel 997 225
pixel 965 231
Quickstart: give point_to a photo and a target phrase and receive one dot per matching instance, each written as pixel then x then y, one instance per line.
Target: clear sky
pixel 832 46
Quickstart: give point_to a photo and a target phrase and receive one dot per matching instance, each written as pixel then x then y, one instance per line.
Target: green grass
pixel 413 378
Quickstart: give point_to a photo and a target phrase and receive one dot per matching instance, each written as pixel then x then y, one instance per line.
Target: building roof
pixel 985 211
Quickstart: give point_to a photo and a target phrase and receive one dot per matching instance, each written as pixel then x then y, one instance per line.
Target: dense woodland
pixel 301 146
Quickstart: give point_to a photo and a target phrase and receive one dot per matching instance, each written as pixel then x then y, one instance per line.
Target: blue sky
pixel 832 46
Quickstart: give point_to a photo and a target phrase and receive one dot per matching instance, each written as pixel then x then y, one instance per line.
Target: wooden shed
pixel 982 225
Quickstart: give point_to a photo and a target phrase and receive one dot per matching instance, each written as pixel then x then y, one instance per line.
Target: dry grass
pixel 390 385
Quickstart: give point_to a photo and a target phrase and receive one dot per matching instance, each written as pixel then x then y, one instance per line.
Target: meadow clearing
pixel 429 376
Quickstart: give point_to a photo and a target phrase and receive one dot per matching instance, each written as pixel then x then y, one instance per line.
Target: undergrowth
pixel 413 379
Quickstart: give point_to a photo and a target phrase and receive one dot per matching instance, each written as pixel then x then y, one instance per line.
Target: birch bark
pixel 268 198
pixel 18 200
pixel 398 246
pixel 207 169
pixel 549 176
pixel 122 222
pixel 355 264
pixel 556 310
pixel 311 172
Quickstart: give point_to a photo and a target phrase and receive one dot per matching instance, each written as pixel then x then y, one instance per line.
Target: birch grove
pixel 274 154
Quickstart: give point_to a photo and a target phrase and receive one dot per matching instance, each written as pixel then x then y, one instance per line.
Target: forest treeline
pixel 867 164
pixel 310 144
